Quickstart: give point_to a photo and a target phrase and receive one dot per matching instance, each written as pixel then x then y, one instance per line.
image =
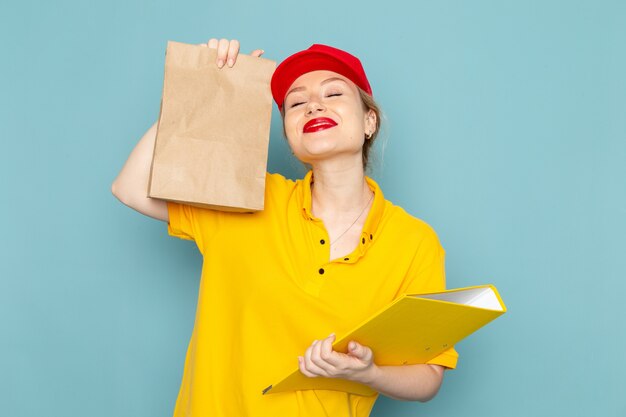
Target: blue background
pixel 506 131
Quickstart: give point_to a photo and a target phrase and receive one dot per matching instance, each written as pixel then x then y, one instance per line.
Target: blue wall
pixel 506 131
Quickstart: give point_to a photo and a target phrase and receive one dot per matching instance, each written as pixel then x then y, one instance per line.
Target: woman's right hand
pixel 227 51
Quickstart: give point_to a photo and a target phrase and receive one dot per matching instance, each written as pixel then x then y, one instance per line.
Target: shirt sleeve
pixel 202 225
pixel 192 223
pixel 427 274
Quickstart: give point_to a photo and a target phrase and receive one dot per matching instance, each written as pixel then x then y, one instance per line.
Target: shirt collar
pixel 373 218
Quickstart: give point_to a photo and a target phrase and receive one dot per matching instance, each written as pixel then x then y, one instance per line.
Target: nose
pixel 314 107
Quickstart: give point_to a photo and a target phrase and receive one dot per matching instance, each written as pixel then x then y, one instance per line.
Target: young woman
pixel 327 252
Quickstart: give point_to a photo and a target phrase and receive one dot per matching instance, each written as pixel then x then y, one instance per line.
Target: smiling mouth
pixel 318 124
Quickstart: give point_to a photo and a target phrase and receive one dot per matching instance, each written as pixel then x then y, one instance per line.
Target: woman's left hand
pixel 321 360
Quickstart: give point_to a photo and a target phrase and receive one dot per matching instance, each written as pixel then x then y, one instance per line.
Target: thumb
pixel 357 350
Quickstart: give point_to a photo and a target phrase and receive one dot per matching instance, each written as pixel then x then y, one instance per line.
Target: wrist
pixel 369 375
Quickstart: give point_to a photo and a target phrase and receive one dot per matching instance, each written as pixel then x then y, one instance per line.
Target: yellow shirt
pixel 268 290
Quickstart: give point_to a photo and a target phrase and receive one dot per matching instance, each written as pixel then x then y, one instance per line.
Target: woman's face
pixel 325 118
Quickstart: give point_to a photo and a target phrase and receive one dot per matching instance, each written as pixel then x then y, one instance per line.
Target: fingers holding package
pixel 227 51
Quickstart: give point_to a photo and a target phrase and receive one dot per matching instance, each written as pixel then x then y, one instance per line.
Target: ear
pixel 370 122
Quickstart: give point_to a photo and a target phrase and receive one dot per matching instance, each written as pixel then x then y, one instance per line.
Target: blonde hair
pixel 370 104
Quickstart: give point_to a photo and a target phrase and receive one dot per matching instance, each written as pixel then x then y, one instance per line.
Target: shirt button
pixel 363 241
pixel 371 237
pixel 346 259
pixel 322 241
pixel 321 271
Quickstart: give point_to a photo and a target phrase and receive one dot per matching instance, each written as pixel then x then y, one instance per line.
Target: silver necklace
pixel 355 220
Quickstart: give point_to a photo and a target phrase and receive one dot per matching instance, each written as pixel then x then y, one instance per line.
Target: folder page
pixel 483 297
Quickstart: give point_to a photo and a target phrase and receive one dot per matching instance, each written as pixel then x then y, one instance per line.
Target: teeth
pixel 321 124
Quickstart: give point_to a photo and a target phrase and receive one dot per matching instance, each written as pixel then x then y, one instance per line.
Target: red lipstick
pixel 318 124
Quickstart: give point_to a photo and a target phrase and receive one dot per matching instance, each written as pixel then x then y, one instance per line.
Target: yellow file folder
pixel 411 330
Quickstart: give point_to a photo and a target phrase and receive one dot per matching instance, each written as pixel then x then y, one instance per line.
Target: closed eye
pixel 334 95
pixel 296 104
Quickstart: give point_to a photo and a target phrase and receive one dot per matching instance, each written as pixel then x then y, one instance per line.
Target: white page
pixel 475 297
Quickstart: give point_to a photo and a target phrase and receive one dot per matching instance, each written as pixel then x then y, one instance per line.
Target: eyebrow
pixel 293 90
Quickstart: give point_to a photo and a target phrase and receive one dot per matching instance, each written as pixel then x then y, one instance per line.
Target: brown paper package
pixel 213 131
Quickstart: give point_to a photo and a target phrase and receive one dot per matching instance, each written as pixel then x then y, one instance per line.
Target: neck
pixel 339 190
